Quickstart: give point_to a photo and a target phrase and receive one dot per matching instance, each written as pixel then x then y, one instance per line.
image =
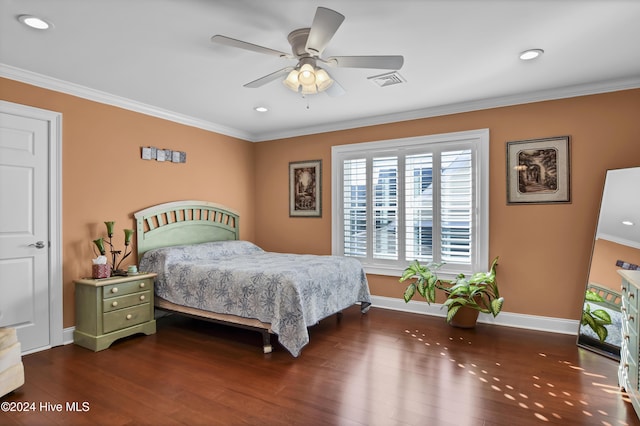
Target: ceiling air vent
pixel 388 79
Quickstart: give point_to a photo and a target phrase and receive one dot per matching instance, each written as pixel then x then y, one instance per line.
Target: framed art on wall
pixel 163 155
pixel 539 171
pixel 305 188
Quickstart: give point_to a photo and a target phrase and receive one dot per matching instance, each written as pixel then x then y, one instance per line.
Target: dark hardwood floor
pixel 382 368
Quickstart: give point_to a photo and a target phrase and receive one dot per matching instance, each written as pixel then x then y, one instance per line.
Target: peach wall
pixel 104 178
pixel 603 268
pixel 544 249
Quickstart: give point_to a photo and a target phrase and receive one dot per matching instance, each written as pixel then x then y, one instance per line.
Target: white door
pixel 24 229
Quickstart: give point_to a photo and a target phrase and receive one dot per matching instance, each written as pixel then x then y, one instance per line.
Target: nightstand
pixel 111 308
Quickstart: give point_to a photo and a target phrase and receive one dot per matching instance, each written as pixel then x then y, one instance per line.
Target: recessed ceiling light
pixel 627 222
pixel 34 22
pixel 530 54
pixel 261 109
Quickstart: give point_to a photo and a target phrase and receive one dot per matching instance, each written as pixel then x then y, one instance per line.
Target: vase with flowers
pixel 100 245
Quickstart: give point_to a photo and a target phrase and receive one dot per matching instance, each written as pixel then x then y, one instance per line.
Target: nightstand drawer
pixel 127 317
pixel 114 290
pixel 121 302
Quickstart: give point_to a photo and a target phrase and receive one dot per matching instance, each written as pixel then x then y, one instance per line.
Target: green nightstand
pixel 111 308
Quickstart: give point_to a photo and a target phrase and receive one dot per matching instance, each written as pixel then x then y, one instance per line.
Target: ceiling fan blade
pixel 335 90
pixel 324 26
pixel 228 41
pixel 393 62
pixel 269 78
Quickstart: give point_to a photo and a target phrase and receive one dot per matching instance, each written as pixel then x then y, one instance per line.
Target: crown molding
pixel 84 92
pixel 619 240
pixel 498 102
pixel 62 86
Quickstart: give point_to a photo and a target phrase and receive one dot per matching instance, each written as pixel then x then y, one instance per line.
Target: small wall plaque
pixel 163 155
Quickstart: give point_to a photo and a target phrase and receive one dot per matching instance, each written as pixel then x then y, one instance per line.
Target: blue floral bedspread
pixel 289 291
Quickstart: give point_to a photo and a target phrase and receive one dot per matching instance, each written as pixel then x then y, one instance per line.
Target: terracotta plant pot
pixel 465 318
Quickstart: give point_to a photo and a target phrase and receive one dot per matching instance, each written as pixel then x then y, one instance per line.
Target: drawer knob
pixel 141 285
pixel 142 297
pixel 114 304
pixel 631 318
pixel 129 316
pixel 631 295
pixel 114 290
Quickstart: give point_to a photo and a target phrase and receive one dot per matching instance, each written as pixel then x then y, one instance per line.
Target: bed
pixel 205 271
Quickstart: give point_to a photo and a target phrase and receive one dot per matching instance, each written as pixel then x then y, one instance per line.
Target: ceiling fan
pixel 307 45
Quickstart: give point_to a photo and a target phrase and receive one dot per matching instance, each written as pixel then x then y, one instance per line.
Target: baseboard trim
pixel 505 319
pixel 67 335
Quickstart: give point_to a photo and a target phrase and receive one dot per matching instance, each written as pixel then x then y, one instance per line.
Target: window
pixel 422 198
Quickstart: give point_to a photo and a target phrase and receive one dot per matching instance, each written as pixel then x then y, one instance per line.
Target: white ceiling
pixel 155 56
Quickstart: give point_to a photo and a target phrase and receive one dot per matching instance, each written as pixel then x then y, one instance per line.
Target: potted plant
pixel 596 319
pixel 477 293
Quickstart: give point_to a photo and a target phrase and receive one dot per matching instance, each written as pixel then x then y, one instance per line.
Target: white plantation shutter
pixel 419 198
pixel 419 207
pixel 385 207
pixel 456 206
pixel 354 218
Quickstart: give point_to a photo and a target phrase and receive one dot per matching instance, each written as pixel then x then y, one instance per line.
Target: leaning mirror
pixel 616 246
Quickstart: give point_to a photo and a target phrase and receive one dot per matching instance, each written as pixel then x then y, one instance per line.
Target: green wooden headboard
pixel 612 298
pixel 184 222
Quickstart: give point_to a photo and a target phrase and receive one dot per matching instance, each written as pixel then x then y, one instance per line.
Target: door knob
pixel 39 245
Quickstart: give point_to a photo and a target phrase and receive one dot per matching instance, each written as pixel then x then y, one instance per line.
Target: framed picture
pixel 539 171
pixel 146 153
pixel 178 157
pixel 305 188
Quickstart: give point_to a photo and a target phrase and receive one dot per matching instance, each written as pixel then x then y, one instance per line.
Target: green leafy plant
pixel 596 319
pixel 479 291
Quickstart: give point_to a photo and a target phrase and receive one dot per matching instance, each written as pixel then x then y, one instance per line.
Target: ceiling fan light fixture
pixel 292 80
pixel 308 80
pixel 309 89
pixel 323 80
pixel 307 75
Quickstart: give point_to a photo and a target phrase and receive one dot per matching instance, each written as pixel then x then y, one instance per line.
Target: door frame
pixel 54 120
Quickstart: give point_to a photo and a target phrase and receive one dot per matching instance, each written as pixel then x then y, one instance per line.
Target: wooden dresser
pixel 629 350
pixel 111 308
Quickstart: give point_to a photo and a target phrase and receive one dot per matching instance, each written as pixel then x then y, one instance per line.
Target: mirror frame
pixel 611 297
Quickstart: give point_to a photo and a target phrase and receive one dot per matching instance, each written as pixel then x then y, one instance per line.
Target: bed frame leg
pixel 266 342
